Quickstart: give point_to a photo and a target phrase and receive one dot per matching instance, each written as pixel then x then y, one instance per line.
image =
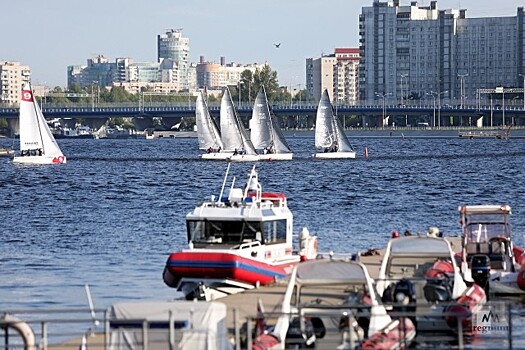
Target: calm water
pixel 111 216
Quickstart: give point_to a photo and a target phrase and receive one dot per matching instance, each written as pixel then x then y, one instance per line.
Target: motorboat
pixel 237 240
pixel 488 254
pixel 334 291
pixel 419 275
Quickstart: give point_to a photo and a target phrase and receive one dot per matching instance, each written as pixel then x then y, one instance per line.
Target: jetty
pixel 498 134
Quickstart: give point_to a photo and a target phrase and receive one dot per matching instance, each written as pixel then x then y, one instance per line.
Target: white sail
pixel 343 144
pixel 265 130
pixel 37 144
pixel 233 133
pixel 207 130
pixel 324 132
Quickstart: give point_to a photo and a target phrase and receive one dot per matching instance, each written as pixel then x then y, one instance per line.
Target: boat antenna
pixel 224 182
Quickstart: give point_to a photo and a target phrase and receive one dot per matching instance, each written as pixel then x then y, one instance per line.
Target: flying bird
pixel 277 45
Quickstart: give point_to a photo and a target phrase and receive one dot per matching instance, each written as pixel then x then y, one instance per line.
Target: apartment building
pixel 413 52
pixel 176 48
pixel 13 75
pixel 216 75
pixel 337 72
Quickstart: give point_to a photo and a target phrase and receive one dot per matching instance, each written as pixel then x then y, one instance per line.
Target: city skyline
pixel 49 36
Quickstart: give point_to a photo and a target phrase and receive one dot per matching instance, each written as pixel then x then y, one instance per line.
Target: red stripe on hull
pixel 223 265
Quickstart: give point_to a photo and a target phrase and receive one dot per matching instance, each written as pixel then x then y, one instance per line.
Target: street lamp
pixel 462 88
pixel 384 107
pixel 523 76
pixel 433 94
pixel 439 106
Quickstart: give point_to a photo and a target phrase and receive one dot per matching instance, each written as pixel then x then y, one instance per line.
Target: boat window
pixel 483 232
pixel 223 232
pixel 274 231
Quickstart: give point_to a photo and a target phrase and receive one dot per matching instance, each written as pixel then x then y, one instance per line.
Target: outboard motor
pixel 438 289
pixel 405 298
pixel 480 267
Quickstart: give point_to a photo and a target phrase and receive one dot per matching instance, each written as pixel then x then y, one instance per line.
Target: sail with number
pixel 233 134
pixel 265 130
pixel 37 143
pixel 207 130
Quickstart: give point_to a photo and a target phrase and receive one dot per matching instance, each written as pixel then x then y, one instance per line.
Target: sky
pixel 53 34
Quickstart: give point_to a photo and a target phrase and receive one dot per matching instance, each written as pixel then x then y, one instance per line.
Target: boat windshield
pixel 236 232
pixel 483 232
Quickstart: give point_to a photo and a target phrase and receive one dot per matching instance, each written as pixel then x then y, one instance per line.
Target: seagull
pixel 277 45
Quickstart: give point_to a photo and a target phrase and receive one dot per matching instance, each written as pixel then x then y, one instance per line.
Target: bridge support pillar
pixel 95 123
pixel 14 126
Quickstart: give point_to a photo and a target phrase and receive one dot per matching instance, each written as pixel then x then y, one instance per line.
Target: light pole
pixel 439 107
pixel 462 88
pixel 433 94
pixel 383 95
pixel 523 76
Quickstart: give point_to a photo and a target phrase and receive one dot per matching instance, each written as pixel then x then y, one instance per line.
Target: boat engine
pixel 480 267
pixel 405 298
pixel 438 289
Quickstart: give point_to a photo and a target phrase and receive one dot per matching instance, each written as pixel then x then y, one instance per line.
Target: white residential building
pixel 13 76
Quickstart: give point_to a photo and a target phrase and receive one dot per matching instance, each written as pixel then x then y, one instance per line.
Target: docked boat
pixel 234 136
pixel 329 134
pixel 237 240
pixel 6 152
pixel 488 254
pixel 265 134
pixel 331 291
pixel 497 134
pixel 419 275
pixel 37 144
pixel 208 132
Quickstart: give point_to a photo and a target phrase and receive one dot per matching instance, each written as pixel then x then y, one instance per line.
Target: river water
pixel 111 216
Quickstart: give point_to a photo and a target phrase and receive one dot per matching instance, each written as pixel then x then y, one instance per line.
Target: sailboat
pixel 266 135
pixel 329 133
pixel 234 136
pixel 37 144
pixel 208 132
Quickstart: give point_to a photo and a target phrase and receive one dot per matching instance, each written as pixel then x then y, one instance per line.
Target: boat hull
pixel 244 158
pixel 217 265
pixel 276 156
pixel 40 160
pixel 335 155
pixel 216 156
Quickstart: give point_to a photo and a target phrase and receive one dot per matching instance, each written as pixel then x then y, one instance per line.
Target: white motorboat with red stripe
pixel 241 239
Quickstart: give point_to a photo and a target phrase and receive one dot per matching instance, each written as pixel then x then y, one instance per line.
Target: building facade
pixel 13 75
pixel 173 46
pixel 337 72
pixel 420 52
pixel 214 76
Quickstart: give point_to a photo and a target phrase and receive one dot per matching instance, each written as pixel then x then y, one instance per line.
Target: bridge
pixel 292 114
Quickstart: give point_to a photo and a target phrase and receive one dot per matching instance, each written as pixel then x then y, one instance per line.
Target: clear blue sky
pixel 53 34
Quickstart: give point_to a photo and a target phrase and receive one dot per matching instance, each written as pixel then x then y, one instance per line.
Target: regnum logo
pixel 491 319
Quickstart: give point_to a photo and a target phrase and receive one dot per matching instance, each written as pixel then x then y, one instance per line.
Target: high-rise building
pixel 13 75
pixel 172 45
pixel 412 52
pixel 337 73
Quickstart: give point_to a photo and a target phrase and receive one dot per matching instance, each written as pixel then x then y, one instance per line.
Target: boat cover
pixel 197 325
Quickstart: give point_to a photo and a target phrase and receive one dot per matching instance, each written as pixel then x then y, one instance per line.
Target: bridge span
pixel 292 115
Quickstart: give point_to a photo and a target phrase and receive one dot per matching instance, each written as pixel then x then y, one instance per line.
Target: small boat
pixel 238 240
pixel 266 135
pixel 37 144
pixel 208 132
pixel 419 275
pixel 498 134
pixel 234 136
pixel 333 291
pixel 488 254
pixel 6 152
pixel 329 133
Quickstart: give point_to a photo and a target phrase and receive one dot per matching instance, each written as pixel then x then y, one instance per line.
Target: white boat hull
pixel 40 160
pixel 335 155
pixel 276 156
pixel 244 158
pixel 217 156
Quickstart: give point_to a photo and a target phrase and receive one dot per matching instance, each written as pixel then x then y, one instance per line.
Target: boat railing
pixel 494 326
pixel 247 245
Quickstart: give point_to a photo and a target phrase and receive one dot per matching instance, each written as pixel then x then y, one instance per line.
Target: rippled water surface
pixel 113 213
